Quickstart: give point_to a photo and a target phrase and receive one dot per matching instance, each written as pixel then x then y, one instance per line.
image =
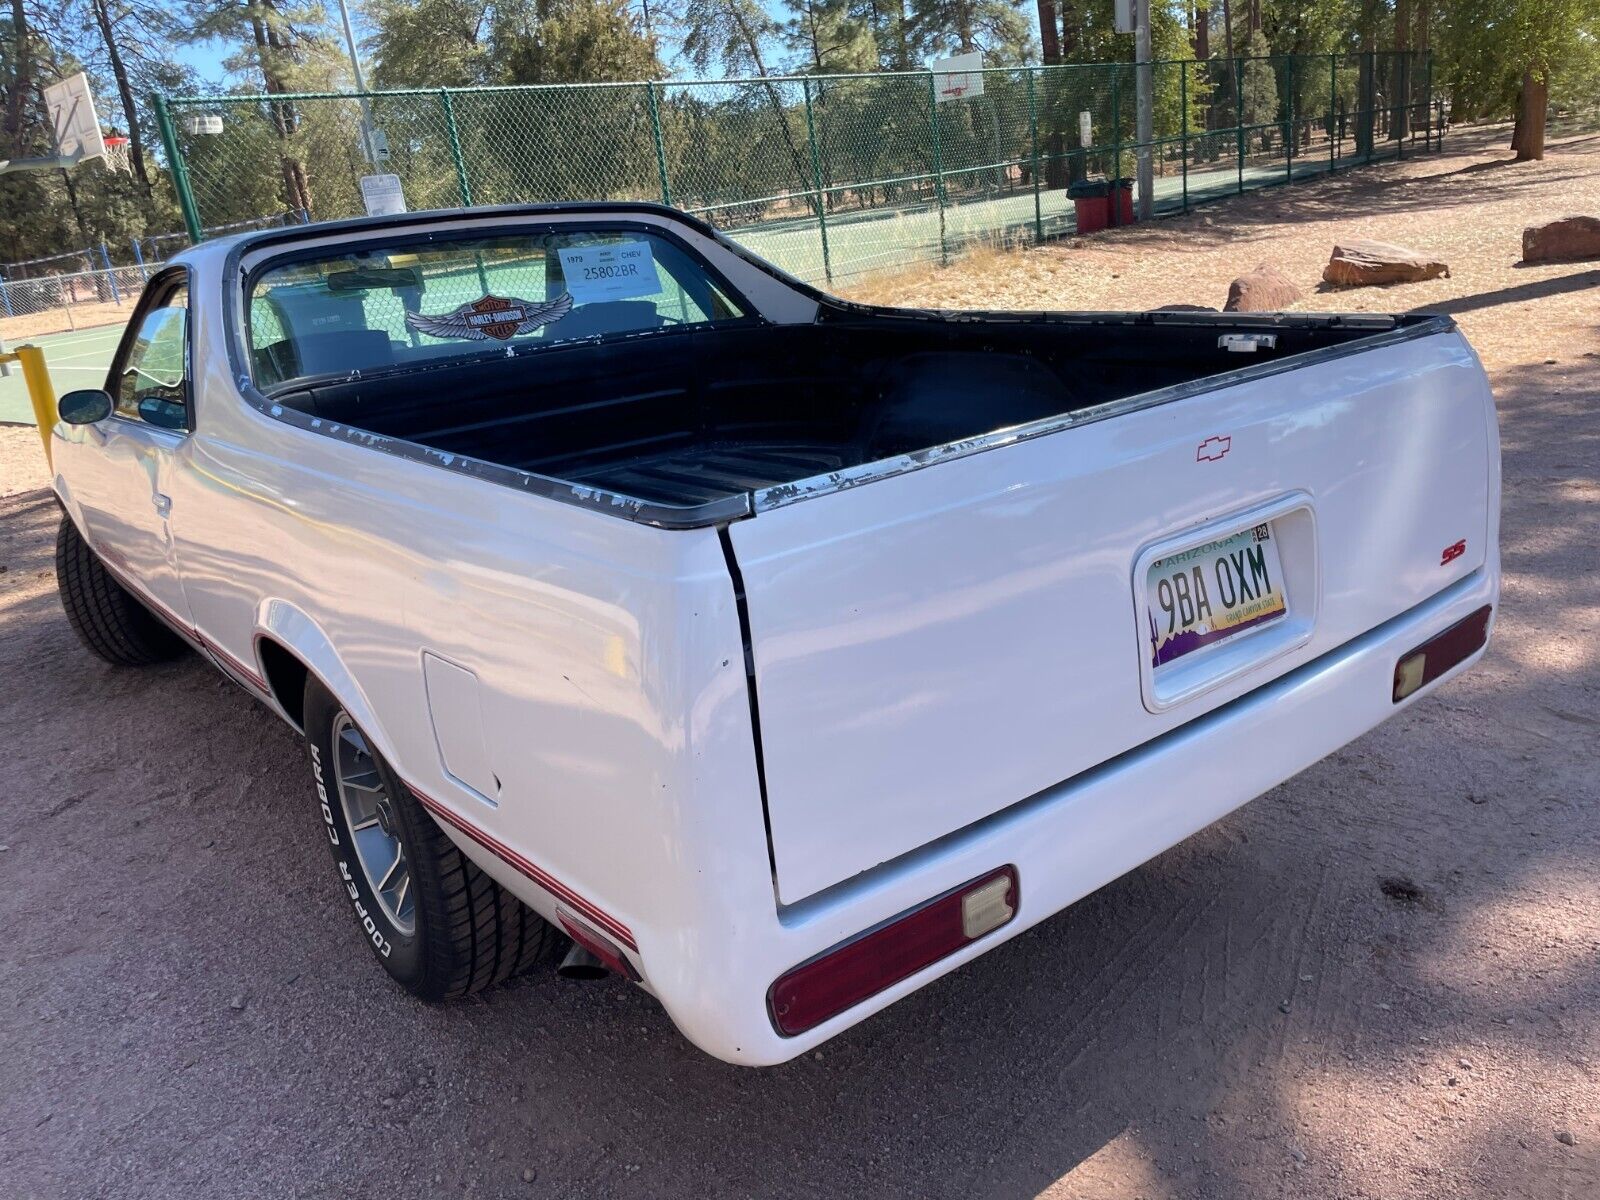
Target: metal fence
pixel 831 176
pixel 76 298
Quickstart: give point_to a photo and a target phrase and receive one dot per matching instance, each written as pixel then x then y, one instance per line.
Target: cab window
pixel 153 384
pixel 404 303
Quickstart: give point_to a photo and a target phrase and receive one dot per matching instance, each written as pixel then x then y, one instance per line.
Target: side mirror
pixel 164 413
pixel 84 407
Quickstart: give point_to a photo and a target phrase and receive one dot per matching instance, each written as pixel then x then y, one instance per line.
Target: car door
pixel 123 484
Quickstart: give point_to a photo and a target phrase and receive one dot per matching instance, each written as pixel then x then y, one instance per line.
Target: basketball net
pixel 119 155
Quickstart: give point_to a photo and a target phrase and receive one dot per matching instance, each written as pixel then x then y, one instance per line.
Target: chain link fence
pixel 830 176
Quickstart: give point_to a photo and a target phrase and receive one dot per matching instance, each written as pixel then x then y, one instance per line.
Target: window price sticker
pixel 610 272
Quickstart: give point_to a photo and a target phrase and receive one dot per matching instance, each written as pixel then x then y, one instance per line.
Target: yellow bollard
pixel 40 391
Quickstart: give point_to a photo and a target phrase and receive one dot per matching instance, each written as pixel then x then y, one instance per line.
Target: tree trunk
pixel 1049 33
pixel 130 114
pixel 1533 103
pixel 21 84
pixel 1200 34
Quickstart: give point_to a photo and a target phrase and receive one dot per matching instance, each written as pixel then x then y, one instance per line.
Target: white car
pixel 783 653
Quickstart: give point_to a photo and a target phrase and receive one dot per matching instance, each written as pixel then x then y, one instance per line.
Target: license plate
pixel 1212 592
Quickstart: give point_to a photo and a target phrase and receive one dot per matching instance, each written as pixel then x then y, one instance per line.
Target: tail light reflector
pixel 597 944
pixel 868 963
pixel 1441 652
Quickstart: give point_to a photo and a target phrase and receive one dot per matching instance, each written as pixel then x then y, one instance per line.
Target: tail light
pixel 1441 652
pixel 868 963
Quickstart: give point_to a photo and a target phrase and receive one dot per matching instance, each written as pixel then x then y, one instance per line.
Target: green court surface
pixel 74 360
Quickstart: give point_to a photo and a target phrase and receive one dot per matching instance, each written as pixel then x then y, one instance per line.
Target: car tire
pixel 107 618
pixel 442 928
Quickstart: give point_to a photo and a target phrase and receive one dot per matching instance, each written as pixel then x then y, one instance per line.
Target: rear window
pixel 386 306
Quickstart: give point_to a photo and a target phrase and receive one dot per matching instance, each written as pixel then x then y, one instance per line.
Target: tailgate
pixel 943 642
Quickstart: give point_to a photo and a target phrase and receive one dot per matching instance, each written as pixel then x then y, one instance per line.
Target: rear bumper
pixel 1065 842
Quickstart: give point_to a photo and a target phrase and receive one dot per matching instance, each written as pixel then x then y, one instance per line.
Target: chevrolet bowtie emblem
pixel 1212 449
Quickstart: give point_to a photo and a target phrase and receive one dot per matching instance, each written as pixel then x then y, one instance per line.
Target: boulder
pixel 1266 289
pixel 1365 263
pixel 1185 308
pixel 1565 240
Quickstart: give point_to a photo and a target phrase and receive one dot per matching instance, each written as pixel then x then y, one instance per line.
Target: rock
pixel 1285 1007
pixel 237 1004
pixel 1562 241
pixel 1365 263
pixel 529 1174
pixel 1565 1137
pixel 1185 308
pixel 1464 1063
pixel 1265 289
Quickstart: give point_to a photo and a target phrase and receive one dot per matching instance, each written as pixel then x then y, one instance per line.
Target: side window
pixel 153 385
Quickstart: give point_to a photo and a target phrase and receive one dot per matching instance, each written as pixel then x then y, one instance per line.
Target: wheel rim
pixel 370 817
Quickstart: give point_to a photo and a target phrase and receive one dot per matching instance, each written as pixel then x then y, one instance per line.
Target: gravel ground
pixel 1379 980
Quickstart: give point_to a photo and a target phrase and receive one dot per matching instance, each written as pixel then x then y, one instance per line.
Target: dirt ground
pixel 1381 979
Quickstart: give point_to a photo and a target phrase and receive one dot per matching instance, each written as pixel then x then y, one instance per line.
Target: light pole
pixel 369 145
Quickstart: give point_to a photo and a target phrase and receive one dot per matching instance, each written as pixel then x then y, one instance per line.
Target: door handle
pixel 163 503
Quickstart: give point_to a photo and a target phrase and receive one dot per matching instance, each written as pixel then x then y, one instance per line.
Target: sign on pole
pixel 1125 13
pixel 957 78
pixel 1085 130
pixel 382 195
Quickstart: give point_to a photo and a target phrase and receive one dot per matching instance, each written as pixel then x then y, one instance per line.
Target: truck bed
pixel 699 416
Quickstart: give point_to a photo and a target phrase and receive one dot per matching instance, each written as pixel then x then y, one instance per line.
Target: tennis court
pixel 75 360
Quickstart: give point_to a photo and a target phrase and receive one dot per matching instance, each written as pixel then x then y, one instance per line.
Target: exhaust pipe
pixel 580 963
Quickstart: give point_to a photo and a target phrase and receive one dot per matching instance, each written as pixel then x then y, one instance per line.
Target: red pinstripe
pixel 539 876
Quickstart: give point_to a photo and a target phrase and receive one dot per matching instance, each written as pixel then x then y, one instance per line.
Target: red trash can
pixel 1091 202
pixel 1122 199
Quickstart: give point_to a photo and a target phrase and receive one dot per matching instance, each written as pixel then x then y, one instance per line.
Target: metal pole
pixel 1288 128
pixel 938 165
pixel 1144 108
pixel 180 170
pixel 661 145
pixel 5 297
pixel 1183 126
pixel 111 275
pixel 816 179
pixel 1238 120
pixel 1333 111
pixel 1116 140
pixel 1427 103
pixel 1033 137
pixel 138 257
pixel 462 184
pixel 368 146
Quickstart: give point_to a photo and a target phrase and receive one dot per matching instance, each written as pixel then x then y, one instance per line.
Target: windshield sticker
pixel 610 272
pixel 499 317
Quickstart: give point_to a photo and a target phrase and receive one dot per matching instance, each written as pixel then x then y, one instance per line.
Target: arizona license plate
pixel 1209 593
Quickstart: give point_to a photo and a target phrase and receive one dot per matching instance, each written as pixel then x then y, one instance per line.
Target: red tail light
pixel 849 973
pixel 1441 652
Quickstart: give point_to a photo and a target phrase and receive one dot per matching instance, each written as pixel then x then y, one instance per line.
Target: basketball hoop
pixel 953 93
pixel 119 155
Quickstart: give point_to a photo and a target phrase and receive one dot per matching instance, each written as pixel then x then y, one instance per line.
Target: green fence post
pixel 1238 119
pixel 1183 127
pixel 1033 135
pixel 180 169
pixel 462 185
pixel 1116 139
pixel 1288 128
pixel 938 166
pixel 1333 111
pixel 816 180
pixel 661 145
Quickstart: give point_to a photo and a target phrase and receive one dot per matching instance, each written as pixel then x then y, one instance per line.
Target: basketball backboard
pixel 70 104
pixel 959 77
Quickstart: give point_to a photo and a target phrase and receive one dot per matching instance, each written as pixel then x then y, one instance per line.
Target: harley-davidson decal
pixel 498 317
